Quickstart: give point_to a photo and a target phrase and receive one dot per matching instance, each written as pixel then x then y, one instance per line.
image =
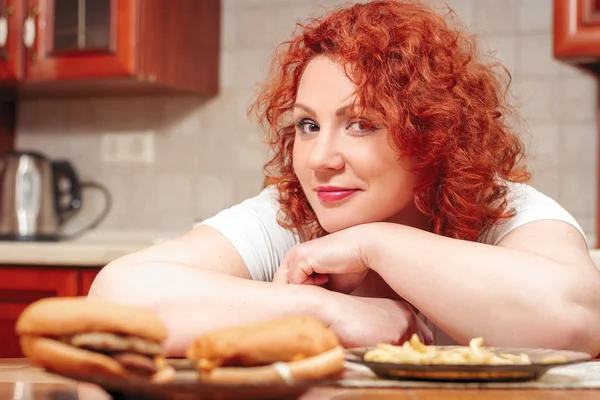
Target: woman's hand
pixel 365 321
pixel 335 261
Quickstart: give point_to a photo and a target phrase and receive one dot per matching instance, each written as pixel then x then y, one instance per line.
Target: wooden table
pixel 19 381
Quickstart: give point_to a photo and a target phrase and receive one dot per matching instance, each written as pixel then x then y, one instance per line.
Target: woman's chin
pixel 332 226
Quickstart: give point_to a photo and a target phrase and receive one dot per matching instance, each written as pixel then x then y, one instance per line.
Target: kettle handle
pixel 65 169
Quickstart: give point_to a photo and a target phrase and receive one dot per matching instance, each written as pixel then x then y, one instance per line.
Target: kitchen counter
pixel 19 381
pixel 93 250
pixel 96 249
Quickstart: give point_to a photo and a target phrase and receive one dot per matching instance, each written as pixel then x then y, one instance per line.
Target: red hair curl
pixel 443 107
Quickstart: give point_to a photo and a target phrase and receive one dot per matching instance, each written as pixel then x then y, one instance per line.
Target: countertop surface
pixel 20 381
pixel 96 249
pixel 93 250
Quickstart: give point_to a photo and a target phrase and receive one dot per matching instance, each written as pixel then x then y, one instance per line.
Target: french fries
pixel 415 352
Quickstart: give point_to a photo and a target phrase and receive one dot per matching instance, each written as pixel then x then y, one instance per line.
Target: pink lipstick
pixel 333 193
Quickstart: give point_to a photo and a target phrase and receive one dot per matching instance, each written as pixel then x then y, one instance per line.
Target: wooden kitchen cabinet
pixel 109 46
pixel 22 285
pixel 12 16
pixel 86 278
pixel 577 31
pixel 75 39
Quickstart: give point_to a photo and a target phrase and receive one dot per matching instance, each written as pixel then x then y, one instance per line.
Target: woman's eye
pixel 362 125
pixel 307 126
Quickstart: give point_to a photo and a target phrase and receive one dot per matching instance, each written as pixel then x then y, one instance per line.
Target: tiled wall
pixel 209 156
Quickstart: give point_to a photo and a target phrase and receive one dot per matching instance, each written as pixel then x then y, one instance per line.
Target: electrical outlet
pixel 128 148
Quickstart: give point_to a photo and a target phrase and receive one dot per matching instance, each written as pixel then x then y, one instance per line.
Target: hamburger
pixel 87 338
pixel 286 350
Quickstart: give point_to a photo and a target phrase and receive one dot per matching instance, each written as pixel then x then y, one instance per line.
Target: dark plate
pixel 186 387
pixel 470 372
pixel 184 390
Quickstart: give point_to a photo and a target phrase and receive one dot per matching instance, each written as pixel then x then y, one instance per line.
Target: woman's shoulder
pixel 530 205
pixel 264 204
pixel 252 227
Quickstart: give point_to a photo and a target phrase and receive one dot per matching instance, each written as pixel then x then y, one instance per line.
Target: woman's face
pixel 346 166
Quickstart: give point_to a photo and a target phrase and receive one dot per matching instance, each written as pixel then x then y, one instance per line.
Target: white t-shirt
pixel 252 228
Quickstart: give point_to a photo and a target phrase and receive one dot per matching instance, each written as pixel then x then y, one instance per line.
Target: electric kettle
pixel 37 196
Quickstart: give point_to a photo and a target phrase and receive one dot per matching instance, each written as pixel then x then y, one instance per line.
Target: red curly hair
pixel 443 107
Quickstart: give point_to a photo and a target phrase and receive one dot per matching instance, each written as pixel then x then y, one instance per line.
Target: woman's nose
pixel 325 153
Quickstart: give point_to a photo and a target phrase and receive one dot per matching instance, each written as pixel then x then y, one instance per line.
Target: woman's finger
pixel 424 332
pixel 300 272
pixel 319 280
pixel 282 273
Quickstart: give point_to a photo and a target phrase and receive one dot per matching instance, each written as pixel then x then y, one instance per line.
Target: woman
pixel 396 188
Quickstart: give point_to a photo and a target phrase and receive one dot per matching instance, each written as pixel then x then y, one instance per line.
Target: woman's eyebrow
pixel 343 110
pixel 306 108
pixel 340 111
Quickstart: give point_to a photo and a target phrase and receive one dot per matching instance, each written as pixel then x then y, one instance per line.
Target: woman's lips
pixel 331 195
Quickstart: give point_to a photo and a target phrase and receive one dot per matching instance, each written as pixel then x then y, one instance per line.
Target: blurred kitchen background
pixel 170 160
pixel 147 99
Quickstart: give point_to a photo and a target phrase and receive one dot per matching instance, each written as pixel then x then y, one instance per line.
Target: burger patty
pixel 111 343
pixel 136 363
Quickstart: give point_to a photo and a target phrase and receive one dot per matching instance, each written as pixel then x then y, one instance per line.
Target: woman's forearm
pixel 192 301
pixel 509 297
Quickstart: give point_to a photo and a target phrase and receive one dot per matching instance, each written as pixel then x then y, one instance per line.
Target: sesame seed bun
pixel 60 316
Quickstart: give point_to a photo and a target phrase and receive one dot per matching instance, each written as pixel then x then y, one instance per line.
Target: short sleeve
pixel 251 226
pixel 530 205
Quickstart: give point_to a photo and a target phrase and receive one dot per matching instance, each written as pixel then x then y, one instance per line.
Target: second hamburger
pixel 286 350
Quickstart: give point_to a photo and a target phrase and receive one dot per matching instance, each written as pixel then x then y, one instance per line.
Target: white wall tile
pixel 229 29
pixel 572 70
pixel 253 30
pixel 165 197
pixel 464 9
pixel 578 191
pixel 213 193
pixel 579 146
pixel 540 99
pixel 249 67
pixel 227 70
pixel 534 16
pixel 588 224
pixel 502 48
pixel 493 16
pixel 182 116
pixel 578 165
pixel 543 144
pixel 547 182
pixel 247 184
pixel 534 55
pixel 578 98
pixel 94 202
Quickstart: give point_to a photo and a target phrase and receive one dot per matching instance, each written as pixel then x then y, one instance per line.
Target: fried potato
pixel 415 352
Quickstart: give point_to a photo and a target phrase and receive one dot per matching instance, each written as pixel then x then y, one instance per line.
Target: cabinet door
pixel 12 16
pixel 591 12
pixel 80 39
pixel 86 278
pixel 20 286
pixel 577 30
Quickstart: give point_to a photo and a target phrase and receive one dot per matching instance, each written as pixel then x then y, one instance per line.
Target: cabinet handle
pixel 3 37
pixel 29 32
pixel 4 32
